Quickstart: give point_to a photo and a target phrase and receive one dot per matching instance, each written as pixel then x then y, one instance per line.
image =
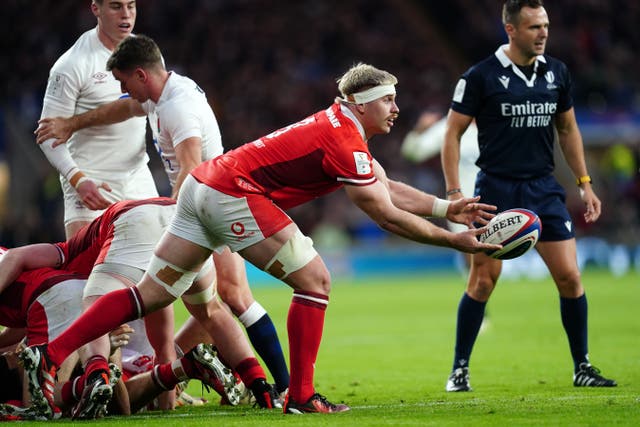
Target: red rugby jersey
pixel 295 164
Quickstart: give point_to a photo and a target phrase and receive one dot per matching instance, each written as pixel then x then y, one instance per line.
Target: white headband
pixel 373 93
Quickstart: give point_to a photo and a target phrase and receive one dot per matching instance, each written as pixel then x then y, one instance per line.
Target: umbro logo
pixel 99 77
pixel 505 81
pixel 567 224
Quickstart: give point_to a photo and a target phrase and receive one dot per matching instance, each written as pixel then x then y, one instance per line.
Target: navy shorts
pixel 544 196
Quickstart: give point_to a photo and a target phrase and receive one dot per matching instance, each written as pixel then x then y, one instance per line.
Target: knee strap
pixel 172 278
pixel 297 252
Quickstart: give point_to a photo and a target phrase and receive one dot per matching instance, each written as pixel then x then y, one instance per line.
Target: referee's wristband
pixel 583 180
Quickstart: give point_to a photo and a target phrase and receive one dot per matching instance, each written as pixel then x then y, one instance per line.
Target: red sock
pixel 107 313
pixel 95 363
pixel 250 370
pixel 304 324
pixel 164 377
pixel 72 390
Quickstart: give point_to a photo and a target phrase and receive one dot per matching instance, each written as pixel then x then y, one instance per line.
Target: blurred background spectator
pixel 264 65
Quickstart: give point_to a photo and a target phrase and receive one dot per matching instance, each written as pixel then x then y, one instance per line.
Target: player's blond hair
pixel 363 76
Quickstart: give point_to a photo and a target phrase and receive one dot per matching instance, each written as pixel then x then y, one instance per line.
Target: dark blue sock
pixel 470 314
pixel 264 338
pixel 574 319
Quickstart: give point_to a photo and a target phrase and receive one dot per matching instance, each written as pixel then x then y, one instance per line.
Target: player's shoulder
pixel 80 55
pixel 182 90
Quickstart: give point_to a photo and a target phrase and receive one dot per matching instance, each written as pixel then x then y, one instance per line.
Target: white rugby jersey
pixel 79 82
pixel 419 147
pixel 182 112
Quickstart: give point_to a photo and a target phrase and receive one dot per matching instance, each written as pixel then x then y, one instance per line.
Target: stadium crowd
pixel 264 67
pixel 258 76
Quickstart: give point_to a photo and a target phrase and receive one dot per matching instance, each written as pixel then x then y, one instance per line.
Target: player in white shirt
pixel 185 126
pixel 425 141
pixel 107 163
pixel 186 134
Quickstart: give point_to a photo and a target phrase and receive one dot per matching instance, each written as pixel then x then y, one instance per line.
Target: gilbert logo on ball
pixel 517 230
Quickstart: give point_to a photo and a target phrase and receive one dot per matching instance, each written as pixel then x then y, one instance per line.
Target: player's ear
pixel 509 29
pixel 360 108
pixel 141 74
pixel 94 9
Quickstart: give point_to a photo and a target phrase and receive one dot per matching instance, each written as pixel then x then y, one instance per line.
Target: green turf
pixel 387 351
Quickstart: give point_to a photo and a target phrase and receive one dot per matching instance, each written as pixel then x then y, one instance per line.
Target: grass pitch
pixel 388 348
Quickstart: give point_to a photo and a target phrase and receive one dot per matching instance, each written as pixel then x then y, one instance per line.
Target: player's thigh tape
pixel 206 268
pixel 201 297
pixel 174 279
pixel 297 252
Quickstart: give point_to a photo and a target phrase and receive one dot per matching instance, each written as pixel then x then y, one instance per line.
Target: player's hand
pixel 90 194
pixel 467 210
pixel 120 337
pixel 53 127
pixel 592 203
pixel 467 241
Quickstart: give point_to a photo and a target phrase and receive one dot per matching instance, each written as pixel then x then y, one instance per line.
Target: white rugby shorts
pixel 137 185
pixel 212 219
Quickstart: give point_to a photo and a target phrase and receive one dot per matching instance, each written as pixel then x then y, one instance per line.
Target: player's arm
pixel 425 140
pixel 410 199
pixel 11 337
pixel 59 101
pixel 189 155
pixel 570 141
pixel 17 260
pixel 457 124
pixel 60 129
pixel 375 201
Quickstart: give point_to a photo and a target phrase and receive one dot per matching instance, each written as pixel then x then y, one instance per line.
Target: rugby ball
pixel 517 230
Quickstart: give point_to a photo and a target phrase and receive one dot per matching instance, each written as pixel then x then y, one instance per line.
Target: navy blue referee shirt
pixel 515 114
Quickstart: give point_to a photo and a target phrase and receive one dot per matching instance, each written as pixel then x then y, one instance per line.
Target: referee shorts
pixel 544 196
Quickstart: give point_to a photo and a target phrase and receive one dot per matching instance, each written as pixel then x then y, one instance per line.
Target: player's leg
pixel 95 382
pixel 142 389
pixel 230 340
pixel 50 314
pixel 159 326
pixel 265 236
pixel 233 288
pixel 198 363
pixel 289 256
pixel 560 258
pixel 191 333
pixel 107 313
pixel 483 276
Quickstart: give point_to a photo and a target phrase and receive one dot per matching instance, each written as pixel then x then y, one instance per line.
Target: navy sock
pixel 470 314
pixel 574 319
pixel 264 338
